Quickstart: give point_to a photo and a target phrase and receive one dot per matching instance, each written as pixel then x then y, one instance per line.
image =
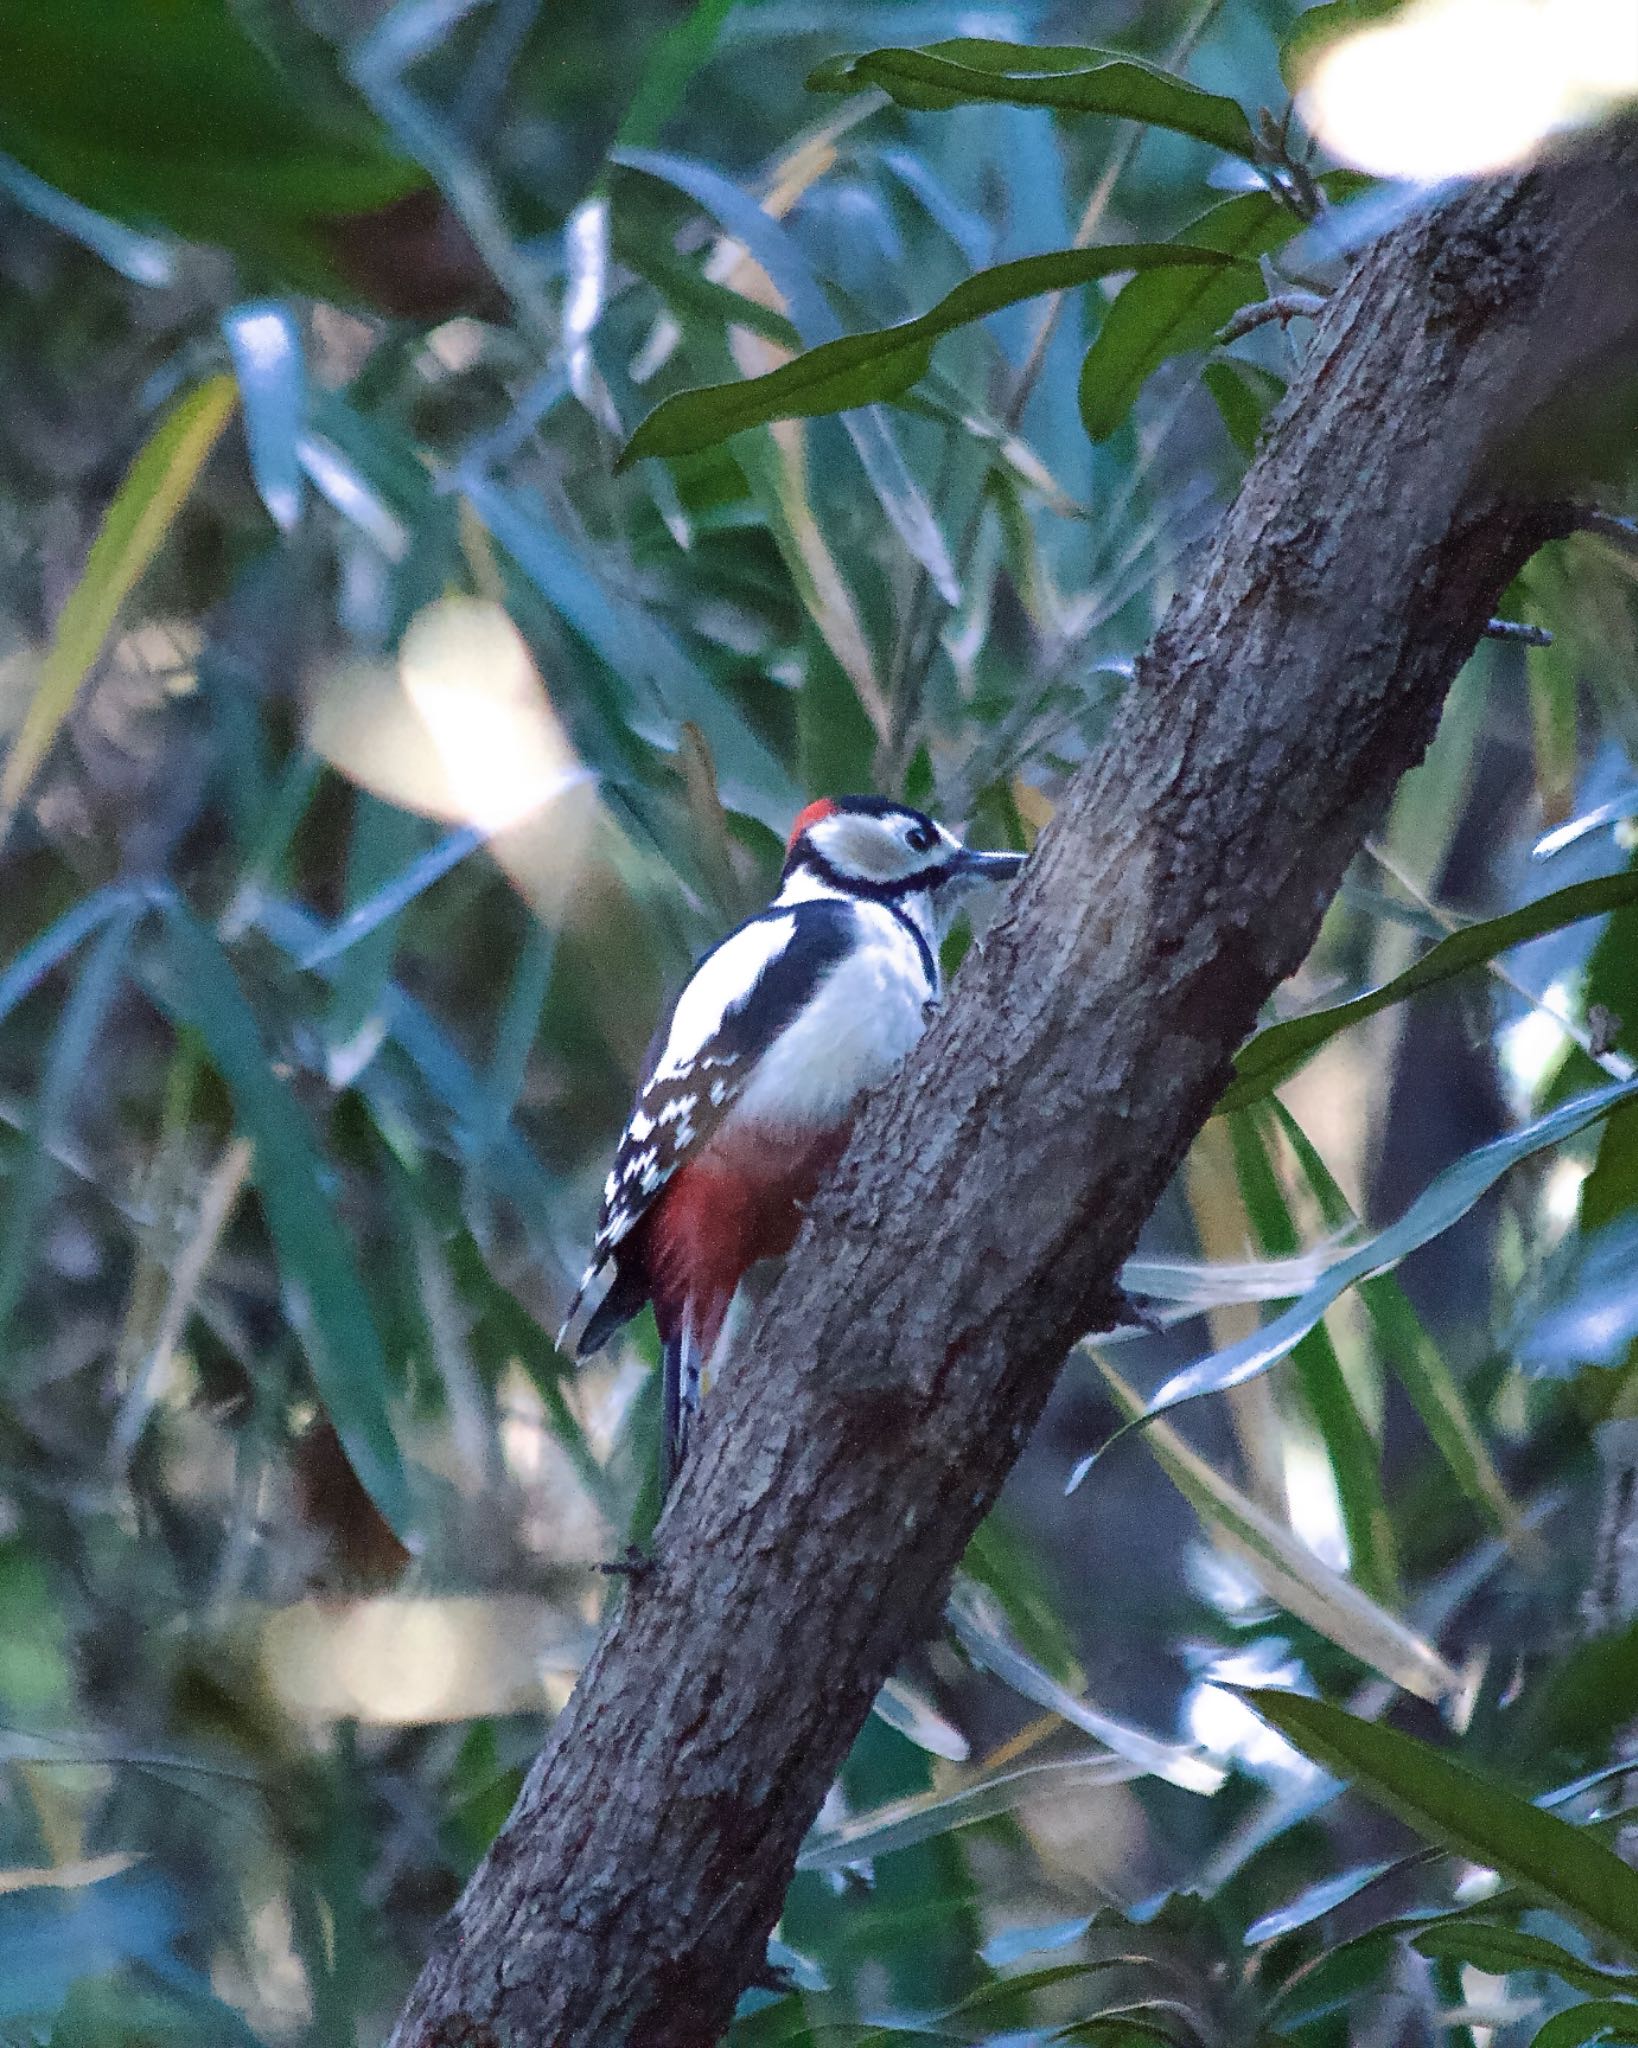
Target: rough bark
pixel 974 1229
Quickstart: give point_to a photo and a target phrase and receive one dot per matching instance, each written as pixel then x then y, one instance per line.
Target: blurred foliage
pixel 382 749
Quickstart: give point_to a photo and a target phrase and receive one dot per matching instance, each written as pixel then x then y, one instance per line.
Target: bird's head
pixel 869 847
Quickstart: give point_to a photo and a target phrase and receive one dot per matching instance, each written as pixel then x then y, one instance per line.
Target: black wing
pixel 764 975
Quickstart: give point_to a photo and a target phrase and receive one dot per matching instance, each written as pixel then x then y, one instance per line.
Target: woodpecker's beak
pixel 973 867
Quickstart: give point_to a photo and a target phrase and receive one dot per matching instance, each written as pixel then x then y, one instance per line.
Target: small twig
pixel 632 1564
pixel 1283 306
pixel 1517 630
pixel 1289 181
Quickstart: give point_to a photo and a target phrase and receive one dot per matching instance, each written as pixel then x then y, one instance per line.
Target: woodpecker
pixel 751 1088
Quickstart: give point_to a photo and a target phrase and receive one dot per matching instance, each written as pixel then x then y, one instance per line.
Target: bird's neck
pixel 804 886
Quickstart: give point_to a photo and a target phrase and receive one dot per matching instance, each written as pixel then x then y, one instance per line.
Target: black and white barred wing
pixel 739 1000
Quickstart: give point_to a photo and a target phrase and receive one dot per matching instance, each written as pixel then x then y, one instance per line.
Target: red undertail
pixel 740 1201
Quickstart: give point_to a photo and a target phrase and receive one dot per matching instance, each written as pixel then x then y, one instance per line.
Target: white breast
pixel 867 1015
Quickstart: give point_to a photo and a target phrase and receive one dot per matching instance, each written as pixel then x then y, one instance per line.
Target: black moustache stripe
pixel 855 885
pixel 890 895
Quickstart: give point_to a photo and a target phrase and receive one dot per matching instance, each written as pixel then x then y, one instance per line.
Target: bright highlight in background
pixel 467 672
pixel 462 729
pixel 1457 88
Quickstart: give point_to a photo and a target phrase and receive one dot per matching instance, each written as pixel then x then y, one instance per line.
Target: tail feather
pixel 680 1400
pixel 627 1292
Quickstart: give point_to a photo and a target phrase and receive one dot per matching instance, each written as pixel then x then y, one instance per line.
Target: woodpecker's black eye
pixel 920 839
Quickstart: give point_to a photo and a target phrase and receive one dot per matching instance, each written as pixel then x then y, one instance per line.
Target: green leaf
pixel 1499 1950
pixel 1601 2019
pixel 1275 1054
pixel 976 1620
pixel 1405 1347
pixel 1611 1189
pixel 1446 1199
pixel 672 62
pixel 689 291
pixel 979 1796
pixel 1579 1707
pixel 1317 26
pixel 1349 1445
pixel 155 489
pixel 663 686
pixel 782 257
pixel 265 342
pixel 1284 1566
pixel 969 71
pixel 175 116
pixel 68 1064
pixel 860 369
pixel 324 1296
pixel 1243 394
pixel 1166 312
pixel 144 259
pixel 1563 1866
pixel 23 975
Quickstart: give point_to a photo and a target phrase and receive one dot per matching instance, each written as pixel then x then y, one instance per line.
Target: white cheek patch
pixel 871 847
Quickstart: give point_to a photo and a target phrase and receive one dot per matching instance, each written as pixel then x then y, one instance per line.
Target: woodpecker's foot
pixel 634 1562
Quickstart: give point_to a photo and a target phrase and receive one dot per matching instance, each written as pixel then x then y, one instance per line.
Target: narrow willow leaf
pixel 1191 1287
pixel 1001 1999
pixel 1500 1950
pixel 1163 313
pixel 1412 1356
pixel 664 685
pixel 23 975
pixel 67 1067
pixel 1284 1566
pixel 905 1709
pixel 324 1295
pixel 155 489
pixel 967 71
pixel 1563 1866
pixel 672 61
pixel 976 1621
pixel 268 360
pixel 781 256
pixel 144 259
pixel 689 291
pixel 1014 1942
pixel 858 369
pixel 1275 1054
pixel 1143 2019
pixel 507 1160
pixel 1349 1445
pixel 904 1822
pixel 1314 1902
pixel 1553 673
pixel 1595 820
pixel 1445 1201
pixel 394 895
pixel 379 846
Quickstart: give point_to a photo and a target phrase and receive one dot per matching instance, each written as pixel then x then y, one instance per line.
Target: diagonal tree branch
pixel 977 1223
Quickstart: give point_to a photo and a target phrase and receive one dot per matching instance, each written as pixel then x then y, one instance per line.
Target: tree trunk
pixel 976 1226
